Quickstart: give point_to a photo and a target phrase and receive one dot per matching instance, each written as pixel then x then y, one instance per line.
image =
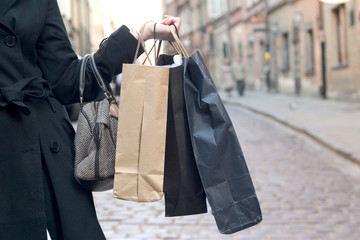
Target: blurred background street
pixel 306 191
pixel 293 94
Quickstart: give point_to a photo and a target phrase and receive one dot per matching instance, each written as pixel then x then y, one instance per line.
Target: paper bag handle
pixel 156 52
pixel 142 42
pixel 177 44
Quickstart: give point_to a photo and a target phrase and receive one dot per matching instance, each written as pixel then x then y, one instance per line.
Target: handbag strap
pixel 105 87
pixel 82 77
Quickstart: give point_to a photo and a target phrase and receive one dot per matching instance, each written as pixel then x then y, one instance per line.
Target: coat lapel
pixel 5 5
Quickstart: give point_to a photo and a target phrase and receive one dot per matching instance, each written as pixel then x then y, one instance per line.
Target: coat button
pixel 10 41
pixel 55 147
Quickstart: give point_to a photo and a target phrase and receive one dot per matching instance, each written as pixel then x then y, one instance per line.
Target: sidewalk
pixel 334 124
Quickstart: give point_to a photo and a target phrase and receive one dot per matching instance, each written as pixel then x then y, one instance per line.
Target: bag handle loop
pixel 82 77
pixel 103 85
pixel 156 52
pixel 177 44
pixel 142 42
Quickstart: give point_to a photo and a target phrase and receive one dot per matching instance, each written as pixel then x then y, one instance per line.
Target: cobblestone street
pixel 306 192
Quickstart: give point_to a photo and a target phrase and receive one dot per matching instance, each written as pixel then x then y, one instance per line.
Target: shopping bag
pixel 184 193
pixel 218 155
pixel 221 163
pixel 140 148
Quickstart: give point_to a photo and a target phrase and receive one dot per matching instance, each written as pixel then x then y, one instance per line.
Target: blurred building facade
pixel 295 46
pixel 96 19
pixel 75 14
pixel 312 48
pixel 222 30
pixel 342 43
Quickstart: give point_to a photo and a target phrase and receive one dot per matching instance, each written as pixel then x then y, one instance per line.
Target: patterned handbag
pixel 95 138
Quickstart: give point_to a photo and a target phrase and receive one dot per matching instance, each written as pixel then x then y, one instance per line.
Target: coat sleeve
pixel 61 66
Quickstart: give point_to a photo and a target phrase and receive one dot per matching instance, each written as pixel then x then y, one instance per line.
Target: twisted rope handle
pixel 142 42
pixel 177 44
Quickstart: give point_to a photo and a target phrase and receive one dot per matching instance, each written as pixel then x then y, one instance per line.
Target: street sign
pixel 254 19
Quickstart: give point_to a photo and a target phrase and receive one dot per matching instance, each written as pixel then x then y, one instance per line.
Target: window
pixel 186 17
pixel 234 4
pixel 262 53
pixel 309 52
pixel 240 49
pixel 250 3
pixel 201 16
pixel 225 50
pixel 197 17
pixel 250 47
pixel 216 8
pixel 285 52
pixel 352 18
pixel 340 34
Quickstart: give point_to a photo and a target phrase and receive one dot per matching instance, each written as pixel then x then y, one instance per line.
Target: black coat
pixel 39 72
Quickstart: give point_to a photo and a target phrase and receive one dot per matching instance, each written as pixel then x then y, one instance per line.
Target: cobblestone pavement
pixel 306 192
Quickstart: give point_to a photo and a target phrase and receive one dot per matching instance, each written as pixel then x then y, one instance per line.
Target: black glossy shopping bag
pixel 184 193
pixel 218 155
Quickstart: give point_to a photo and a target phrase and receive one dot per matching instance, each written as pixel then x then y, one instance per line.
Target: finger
pixel 171 21
pixel 167 21
pixel 166 17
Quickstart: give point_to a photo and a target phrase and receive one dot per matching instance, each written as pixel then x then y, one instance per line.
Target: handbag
pixel 95 138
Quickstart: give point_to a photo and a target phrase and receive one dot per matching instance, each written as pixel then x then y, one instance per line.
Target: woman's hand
pixel 170 20
pixel 162 31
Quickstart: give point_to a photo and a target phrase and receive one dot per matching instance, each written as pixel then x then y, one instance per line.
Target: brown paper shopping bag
pixel 140 149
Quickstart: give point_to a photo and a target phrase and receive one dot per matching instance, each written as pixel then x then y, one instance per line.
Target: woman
pixel 239 73
pixel 227 78
pixel 39 72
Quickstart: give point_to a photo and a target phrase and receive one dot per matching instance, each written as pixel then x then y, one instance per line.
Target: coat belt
pixel 31 89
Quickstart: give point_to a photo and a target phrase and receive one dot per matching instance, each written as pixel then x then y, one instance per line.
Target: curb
pixel 343 153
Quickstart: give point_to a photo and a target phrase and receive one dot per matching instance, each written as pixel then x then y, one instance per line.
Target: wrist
pixel 148 31
pixel 135 33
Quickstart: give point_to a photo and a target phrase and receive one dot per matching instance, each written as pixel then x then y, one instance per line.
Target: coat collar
pixel 5 5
